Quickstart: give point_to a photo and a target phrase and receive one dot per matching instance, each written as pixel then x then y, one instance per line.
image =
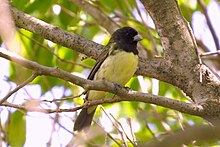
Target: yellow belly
pixel 118 68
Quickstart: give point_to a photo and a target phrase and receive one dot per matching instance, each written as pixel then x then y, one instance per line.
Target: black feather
pixel 84 120
pixel 124 39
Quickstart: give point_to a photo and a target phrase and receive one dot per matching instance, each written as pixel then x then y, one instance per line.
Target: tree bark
pixel 180 55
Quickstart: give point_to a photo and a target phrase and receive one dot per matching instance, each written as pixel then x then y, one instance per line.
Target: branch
pixel 181 57
pixel 130 95
pixel 209 23
pixel 52 52
pixel 126 95
pixel 210 53
pixel 44 70
pixel 55 34
pixel 36 109
pixel 30 79
pixel 101 18
pixel 205 133
pixel 154 68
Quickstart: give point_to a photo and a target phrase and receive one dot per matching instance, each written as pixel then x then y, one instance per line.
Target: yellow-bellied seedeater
pixel 117 65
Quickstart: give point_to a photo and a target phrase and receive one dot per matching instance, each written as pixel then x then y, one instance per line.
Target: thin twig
pixel 196 49
pixel 108 134
pixel 64 128
pixel 100 17
pixel 119 131
pixel 122 129
pixel 55 120
pixel 35 109
pixel 209 23
pixel 151 132
pixel 151 38
pixel 49 49
pixel 30 79
pixel 132 132
pixel 64 110
pixel 210 53
pixel 64 99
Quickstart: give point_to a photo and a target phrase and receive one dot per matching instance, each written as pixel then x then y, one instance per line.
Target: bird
pixel 116 64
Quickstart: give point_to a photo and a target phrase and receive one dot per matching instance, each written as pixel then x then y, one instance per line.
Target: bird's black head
pixel 126 38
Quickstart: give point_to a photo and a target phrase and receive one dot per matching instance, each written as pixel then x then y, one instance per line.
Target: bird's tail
pixel 84 120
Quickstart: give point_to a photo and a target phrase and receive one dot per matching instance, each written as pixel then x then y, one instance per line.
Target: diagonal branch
pixel 209 23
pixel 150 67
pixel 101 18
pixel 125 95
pixel 55 34
pixel 33 76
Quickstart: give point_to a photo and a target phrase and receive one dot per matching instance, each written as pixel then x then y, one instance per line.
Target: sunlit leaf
pixel 16 129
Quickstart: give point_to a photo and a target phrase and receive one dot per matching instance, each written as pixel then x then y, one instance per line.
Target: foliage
pixel 139 121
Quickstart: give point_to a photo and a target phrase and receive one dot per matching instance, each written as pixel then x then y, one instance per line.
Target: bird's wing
pixel 107 51
pixel 99 62
pixel 96 67
pixel 104 54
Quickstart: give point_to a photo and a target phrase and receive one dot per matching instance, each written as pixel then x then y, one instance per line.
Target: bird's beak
pixel 138 38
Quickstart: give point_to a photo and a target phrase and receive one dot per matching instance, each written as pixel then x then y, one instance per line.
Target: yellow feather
pixel 118 68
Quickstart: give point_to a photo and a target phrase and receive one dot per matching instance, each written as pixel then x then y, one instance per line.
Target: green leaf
pixel 18 73
pixel 206 2
pixel 187 12
pixel 16 130
pixel 40 6
pixel 20 4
